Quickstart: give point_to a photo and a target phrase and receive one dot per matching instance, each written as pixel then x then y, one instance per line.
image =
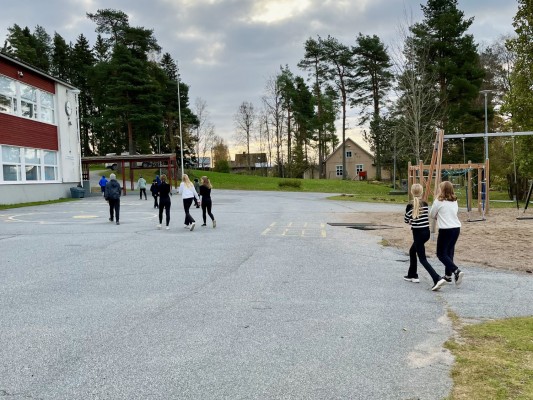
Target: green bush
pixel 290 183
pixel 222 166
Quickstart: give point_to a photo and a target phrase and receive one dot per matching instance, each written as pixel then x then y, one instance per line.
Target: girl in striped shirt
pixel 416 215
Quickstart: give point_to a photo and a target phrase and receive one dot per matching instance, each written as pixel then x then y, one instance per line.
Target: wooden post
pixel 479 187
pixel 469 190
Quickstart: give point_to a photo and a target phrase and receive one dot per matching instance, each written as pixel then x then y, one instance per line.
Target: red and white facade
pixel 40 153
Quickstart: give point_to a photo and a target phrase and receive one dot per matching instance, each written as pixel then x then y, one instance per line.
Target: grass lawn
pixel 35 203
pixel 494 360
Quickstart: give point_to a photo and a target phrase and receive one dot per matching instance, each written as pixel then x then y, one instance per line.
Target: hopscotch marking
pixel 296 229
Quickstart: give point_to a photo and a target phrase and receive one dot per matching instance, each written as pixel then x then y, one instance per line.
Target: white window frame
pixel 338 170
pixel 359 168
pixel 348 154
pixel 42 163
pixel 39 110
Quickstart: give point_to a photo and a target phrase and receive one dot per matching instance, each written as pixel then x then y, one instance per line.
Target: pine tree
pixel 373 80
pixel 519 103
pixel 454 61
pixel 60 58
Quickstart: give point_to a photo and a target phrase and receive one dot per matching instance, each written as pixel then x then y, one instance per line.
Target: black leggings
pixel 420 237
pixel 186 205
pixel 446 248
pixel 206 206
pixel 164 204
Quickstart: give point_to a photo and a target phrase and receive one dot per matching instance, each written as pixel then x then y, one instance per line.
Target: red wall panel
pixel 29 77
pixel 24 132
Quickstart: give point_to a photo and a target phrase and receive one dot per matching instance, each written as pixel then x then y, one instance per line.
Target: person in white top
pixel 188 193
pixel 444 210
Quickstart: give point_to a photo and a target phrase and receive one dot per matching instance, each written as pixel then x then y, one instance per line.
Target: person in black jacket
pixel 154 189
pixel 416 215
pixel 164 201
pixel 112 195
pixel 205 199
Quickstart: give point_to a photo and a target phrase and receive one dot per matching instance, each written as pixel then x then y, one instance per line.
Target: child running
pixel 416 215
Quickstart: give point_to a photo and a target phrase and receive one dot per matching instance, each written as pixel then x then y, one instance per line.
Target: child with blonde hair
pixel 416 215
pixel 188 193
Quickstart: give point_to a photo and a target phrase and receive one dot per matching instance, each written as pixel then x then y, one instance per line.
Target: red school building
pixel 40 153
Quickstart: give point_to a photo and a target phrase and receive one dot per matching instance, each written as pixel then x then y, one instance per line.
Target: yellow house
pixel 359 163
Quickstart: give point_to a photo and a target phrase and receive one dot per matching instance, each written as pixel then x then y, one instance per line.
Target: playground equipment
pixel 528 199
pixel 417 173
pixel 425 174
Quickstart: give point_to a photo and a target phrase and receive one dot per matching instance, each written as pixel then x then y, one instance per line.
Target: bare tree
pixel 205 131
pixel 244 122
pixel 417 103
pixel 275 116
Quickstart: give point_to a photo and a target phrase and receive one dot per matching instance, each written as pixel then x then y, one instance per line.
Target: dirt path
pixel 502 241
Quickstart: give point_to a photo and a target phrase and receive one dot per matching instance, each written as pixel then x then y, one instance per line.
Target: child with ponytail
pixel 416 215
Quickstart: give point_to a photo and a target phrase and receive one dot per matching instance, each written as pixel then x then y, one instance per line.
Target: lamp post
pixel 179 119
pixel 485 93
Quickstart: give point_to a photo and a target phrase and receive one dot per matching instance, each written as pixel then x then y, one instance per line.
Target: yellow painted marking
pixel 84 216
pixel 323 229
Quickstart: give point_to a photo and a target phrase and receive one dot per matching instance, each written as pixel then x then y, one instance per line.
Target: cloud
pixel 227 49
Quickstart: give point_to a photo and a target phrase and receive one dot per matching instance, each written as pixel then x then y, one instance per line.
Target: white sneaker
pixel 167 228
pixel 192 226
pixel 214 224
pixel 458 277
pixel 159 226
pixel 186 226
pixel 437 285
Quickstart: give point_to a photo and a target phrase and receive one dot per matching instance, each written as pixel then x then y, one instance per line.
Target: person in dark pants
pixel 197 188
pixel 141 183
pixel 188 192
pixel 164 202
pixel 154 190
pixel 416 215
pixel 444 210
pixel 112 195
pixel 205 197
pixel 102 183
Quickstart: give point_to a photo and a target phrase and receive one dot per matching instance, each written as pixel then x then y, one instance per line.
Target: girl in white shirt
pixel 188 193
pixel 444 210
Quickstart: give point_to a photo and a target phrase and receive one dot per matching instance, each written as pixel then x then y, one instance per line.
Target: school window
pixel 339 170
pixel 47 107
pixel 8 95
pixel 348 154
pixel 26 101
pixel 28 165
pixel 359 168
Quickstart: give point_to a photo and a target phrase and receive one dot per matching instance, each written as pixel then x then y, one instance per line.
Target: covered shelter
pixel 166 162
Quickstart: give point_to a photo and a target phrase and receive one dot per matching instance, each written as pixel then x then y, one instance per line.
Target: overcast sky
pixel 227 49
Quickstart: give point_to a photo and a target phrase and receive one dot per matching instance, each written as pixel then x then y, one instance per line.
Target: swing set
pixel 425 174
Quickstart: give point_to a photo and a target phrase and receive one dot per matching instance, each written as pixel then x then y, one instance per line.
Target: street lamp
pixel 179 119
pixel 485 93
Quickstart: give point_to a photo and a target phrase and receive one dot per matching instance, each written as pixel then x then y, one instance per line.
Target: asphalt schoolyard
pixel 272 304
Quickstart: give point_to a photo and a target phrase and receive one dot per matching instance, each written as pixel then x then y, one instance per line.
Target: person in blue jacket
pixel 102 183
